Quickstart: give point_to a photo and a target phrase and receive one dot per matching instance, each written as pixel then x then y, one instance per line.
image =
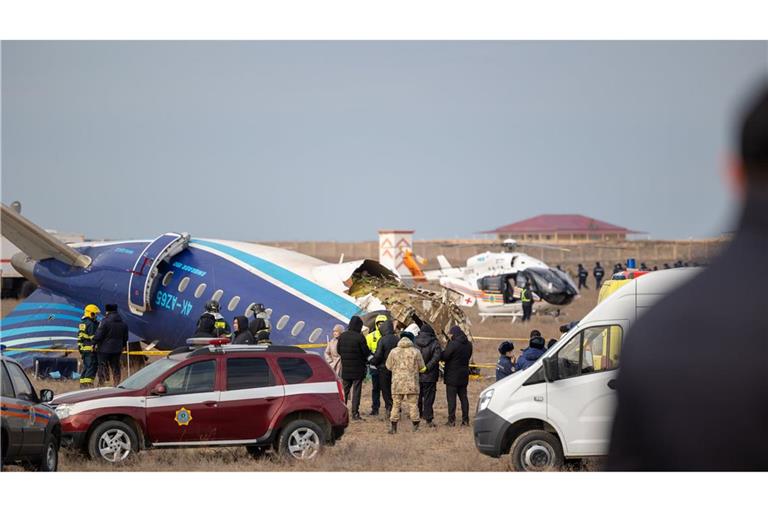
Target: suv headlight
pixel 62 411
pixel 485 399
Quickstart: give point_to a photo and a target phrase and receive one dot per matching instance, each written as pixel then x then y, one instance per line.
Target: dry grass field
pixel 366 446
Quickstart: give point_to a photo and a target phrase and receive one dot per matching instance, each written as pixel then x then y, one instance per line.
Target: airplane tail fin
pixel 35 242
pixel 444 263
pixel 43 320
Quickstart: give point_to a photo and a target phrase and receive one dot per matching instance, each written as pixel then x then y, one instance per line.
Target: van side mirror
pixel 46 395
pixel 159 389
pixel 551 370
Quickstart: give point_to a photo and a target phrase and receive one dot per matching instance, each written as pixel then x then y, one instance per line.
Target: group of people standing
pixel 404 369
pixel 212 324
pixel 100 344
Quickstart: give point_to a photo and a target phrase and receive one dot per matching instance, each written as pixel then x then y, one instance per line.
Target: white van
pixel 562 406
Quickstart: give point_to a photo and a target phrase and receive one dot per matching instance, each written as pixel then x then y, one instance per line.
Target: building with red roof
pixel 563 229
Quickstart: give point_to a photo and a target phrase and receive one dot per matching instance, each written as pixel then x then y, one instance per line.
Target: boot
pixel 451 422
pixel 392 427
pixel 431 424
pixel 415 426
pixel 464 423
pixel 356 416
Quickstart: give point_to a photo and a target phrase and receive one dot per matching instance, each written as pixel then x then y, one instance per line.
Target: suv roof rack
pixel 208 349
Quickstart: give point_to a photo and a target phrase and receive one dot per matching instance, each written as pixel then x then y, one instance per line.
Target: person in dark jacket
pixel 536 349
pixel 354 354
pixel 242 335
pixel 110 339
pixel 456 355
pixel 211 324
pixel 703 406
pixel 260 331
pixel 582 274
pixel 598 272
pixel 426 342
pixel 384 346
pixel 505 365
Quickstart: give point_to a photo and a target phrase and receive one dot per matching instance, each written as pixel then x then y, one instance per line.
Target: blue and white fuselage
pixel 306 296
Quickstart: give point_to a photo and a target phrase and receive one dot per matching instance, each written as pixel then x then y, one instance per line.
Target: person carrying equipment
pixel 211 324
pixel 87 330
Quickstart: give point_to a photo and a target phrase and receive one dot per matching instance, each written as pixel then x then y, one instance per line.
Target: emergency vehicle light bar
pixel 205 342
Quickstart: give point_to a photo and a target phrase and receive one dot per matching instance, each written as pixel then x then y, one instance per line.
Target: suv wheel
pixel 301 440
pixel 113 441
pixel 49 460
pixel 536 450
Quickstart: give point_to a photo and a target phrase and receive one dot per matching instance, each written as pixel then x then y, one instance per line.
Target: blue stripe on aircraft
pixel 11 320
pixel 6 333
pixel 295 281
pixel 46 305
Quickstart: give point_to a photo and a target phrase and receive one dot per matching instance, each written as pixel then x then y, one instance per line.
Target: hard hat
pixel 212 305
pixel 91 309
pixel 380 319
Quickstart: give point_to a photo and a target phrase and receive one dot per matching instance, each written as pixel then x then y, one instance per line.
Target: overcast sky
pixel 334 140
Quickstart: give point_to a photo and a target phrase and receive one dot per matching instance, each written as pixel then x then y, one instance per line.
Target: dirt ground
pixel 366 446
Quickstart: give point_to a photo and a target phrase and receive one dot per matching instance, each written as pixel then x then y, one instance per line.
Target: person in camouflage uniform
pixel 405 363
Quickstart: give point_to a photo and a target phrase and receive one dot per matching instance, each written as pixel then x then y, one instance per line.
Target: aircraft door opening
pixel 145 269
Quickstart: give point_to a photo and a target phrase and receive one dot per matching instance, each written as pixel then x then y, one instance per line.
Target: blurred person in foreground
pixel 703 405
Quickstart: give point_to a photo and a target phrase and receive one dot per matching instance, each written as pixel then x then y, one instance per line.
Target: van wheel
pixel 113 441
pixel 536 450
pixel 301 440
pixel 50 457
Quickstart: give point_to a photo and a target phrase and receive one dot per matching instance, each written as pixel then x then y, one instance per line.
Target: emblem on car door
pixel 183 417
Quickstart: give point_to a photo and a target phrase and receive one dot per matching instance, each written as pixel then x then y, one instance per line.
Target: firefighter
pixel 598 272
pixel 87 329
pixel 211 324
pixel 583 274
pixel 372 340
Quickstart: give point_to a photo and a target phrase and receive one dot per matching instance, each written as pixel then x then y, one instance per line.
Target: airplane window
pixel 183 284
pixel 167 278
pixel 233 303
pixel 200 290
pixel 315 334
pixel 282 322
pixel 268 311
pixel 217 295
pixel 249 311
pixel 297 328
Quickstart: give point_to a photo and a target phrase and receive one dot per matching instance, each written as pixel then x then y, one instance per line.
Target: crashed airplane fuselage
pixel 161 287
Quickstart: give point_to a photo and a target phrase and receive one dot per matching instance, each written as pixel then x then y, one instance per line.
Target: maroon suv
pixel 253 396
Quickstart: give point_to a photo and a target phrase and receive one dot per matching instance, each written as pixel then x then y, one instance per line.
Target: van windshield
pixel 141 378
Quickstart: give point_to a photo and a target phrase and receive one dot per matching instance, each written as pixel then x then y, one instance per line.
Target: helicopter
pixel 492 281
